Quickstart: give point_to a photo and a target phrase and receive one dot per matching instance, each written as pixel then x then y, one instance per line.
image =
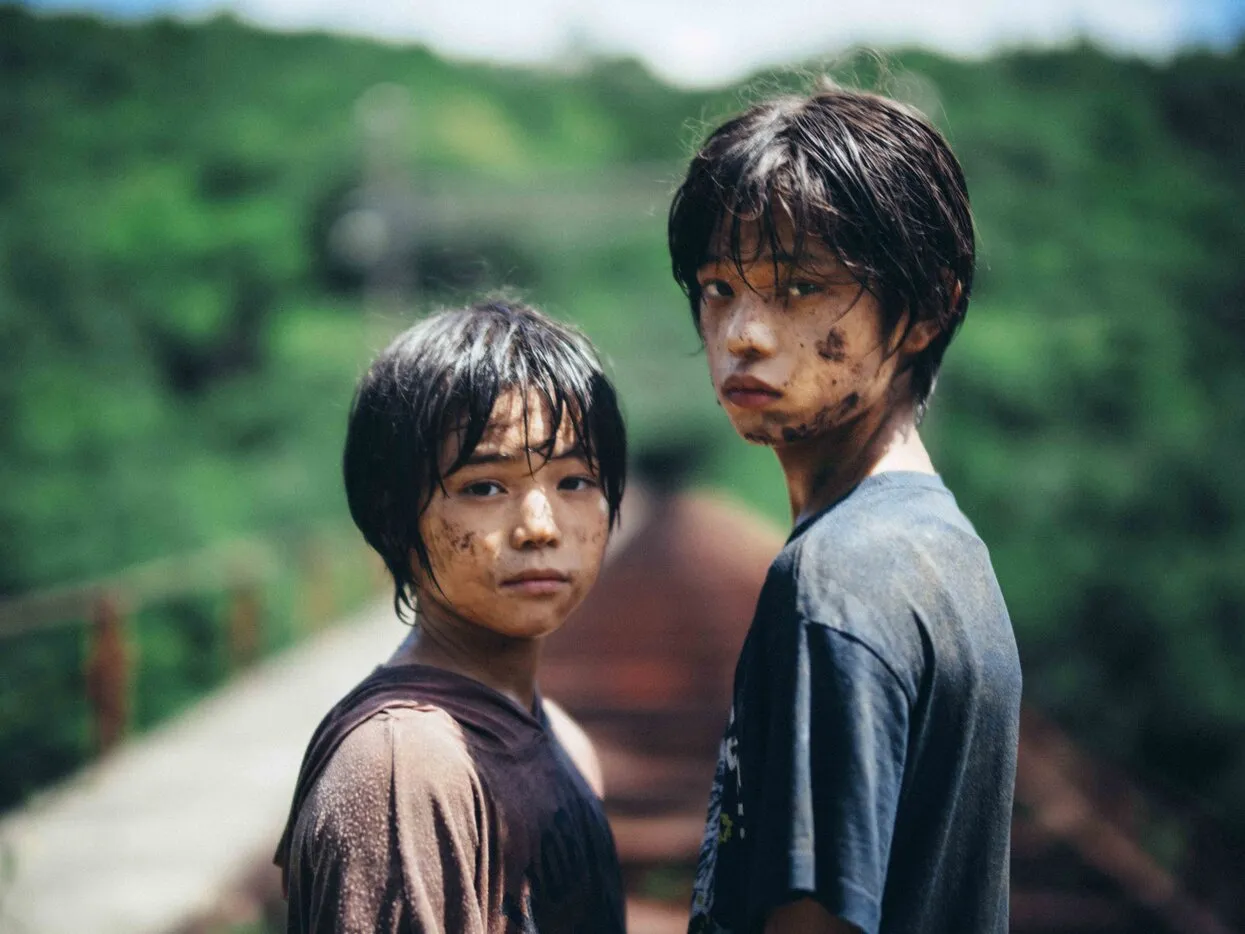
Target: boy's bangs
pixel 776 221
pixel 768 207
pixel 558 405
pixel 558 377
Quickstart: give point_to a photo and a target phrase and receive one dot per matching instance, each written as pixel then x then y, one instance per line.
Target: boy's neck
pixel 821 471
pixel 506 665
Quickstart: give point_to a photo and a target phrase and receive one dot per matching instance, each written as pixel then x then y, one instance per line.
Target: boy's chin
pixel 756 432
pixel 764 439
pixel 755 429
pixel 523 629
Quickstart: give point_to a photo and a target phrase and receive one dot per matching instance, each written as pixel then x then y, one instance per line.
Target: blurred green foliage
pixel 177 347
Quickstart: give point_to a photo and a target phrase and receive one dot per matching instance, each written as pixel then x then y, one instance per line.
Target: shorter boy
pixel 484 461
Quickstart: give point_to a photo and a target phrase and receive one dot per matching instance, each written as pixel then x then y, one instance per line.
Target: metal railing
pixel 106 607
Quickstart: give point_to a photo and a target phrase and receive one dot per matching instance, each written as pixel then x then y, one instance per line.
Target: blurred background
pixel 213 214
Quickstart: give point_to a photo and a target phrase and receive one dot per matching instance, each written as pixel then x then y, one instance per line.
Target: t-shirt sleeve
pixel 837 725
pixel 388 840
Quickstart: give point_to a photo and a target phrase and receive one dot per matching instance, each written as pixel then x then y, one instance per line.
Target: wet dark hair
pixel 868 177
pixel 445 374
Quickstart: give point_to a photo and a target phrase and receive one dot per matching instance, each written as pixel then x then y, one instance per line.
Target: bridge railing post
pixel 317 601
pixel 109 664
pixel 245 613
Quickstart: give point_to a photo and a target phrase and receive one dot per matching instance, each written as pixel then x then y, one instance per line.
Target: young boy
pixel 484 461
pixel 865 778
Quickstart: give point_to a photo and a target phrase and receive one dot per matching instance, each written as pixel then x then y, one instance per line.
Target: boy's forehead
pixel 516 430
pixel 754 243
pixel 511 426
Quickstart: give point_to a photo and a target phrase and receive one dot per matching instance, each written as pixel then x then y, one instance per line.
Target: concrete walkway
pixel 152 836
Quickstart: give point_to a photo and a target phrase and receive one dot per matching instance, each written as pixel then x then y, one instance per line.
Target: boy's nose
pixel 535 525
pixel 748 333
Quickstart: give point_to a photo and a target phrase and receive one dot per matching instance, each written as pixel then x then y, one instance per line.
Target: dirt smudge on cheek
pixel 449 538
pixel 817 426
pixel 591 535
pixel 832 347
pixel 463 542
pixel 825 420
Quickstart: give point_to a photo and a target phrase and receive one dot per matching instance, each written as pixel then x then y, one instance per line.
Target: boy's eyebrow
pixel 504 457
pixel 782 259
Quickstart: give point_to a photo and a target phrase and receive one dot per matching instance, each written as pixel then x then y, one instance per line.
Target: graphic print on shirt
pixel 724 828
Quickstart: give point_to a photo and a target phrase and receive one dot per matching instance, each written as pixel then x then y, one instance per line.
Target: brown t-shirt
pixel 428 802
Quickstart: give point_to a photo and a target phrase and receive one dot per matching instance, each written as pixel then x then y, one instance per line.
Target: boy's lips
pixel 748 392
pixel 537 581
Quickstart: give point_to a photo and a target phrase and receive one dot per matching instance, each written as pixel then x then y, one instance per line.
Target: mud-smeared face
pixel 795 346
pixel 516 538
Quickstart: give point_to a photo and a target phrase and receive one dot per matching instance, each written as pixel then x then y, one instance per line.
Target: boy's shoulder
pixel 419 747
pixel 875 543
pixel 413 728
pixel 394 729
pixel 578 745
pixel 400 784
pixel 881 565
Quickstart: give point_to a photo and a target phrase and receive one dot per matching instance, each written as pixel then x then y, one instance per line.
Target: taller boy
pixel 865 779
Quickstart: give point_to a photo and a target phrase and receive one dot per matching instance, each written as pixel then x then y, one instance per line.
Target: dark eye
pixel 577 483
pixel 802 288
pixel 716 288
pixel 483 488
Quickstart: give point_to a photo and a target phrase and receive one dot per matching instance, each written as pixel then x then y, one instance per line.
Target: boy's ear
pixel 919 336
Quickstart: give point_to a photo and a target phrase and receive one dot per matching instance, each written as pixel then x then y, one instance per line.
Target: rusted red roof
pixel 664 624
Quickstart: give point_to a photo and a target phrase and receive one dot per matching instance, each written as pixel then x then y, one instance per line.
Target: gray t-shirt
pixel 870 757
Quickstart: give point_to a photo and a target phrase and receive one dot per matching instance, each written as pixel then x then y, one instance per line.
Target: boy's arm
pixel 577 745
pixel 388 838
pixel 837 725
